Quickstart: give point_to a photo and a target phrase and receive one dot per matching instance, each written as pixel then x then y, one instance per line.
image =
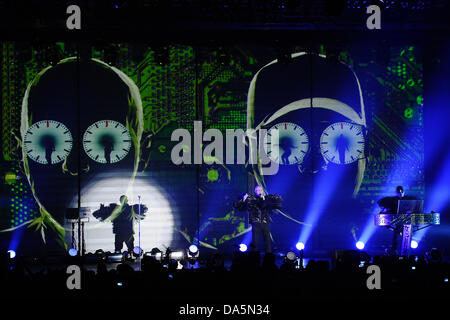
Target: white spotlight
pixel 12 253
pixel 360 245
pixel 193 249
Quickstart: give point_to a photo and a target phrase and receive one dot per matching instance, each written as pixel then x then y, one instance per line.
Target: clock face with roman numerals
pixel 292 144
pixel 48 142
pixel 342 143
pixel 107 141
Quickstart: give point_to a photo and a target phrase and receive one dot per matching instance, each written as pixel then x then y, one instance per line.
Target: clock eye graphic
pixel 106 141
pixel 48 142
pixel 292 144
pixel 342 143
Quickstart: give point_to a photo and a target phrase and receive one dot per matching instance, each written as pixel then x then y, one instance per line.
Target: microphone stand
pixel 140 250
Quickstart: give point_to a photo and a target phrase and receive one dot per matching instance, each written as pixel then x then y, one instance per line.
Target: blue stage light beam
pixel 440 191
pixel 324 186
pixel 246 240
pixel 15 239
pixel 370 227
pixel 439 195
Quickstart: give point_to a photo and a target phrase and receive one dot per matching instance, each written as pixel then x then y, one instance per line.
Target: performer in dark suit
pixel 259 207
pixel 122 220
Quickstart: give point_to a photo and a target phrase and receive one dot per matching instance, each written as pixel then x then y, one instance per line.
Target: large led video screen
pixel 144 143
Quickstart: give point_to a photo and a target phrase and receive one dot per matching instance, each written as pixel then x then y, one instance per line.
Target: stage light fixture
pixel 73 252
pixel 137 251
pixel 192 254
pixel 126 255
pixel 12 254
pixel 300 246
pixel 291 256
pixel 360 245
pixel 193 249
pixel 242 247
pixel 414 244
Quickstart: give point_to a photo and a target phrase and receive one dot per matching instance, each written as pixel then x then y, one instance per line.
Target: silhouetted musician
pixel 390 205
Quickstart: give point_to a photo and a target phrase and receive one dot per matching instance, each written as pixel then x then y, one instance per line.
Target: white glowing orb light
pixel 12 254
pixel 242 247
pixel 300 246
pixel 193 249
pixel 360 245
pixel 73 252
pixel 414 244
pixel 157 226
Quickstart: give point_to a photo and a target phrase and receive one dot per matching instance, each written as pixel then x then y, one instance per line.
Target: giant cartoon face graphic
pixel 317 106
pixel 81 121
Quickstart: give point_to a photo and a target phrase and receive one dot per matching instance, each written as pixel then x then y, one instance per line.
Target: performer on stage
pixel 104 93
pixel 123 223
pixel 389 205
pixel 259 207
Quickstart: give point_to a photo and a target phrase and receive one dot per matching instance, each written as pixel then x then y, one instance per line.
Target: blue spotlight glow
pixel 193 249
pixel 369 228
pixel 73 252
pixel 137 251
pixel 242 247
pixel 439 194
pixel 414 244
pixel 360 245
pixel 323 189
pixel 12 254
pixel 300 246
